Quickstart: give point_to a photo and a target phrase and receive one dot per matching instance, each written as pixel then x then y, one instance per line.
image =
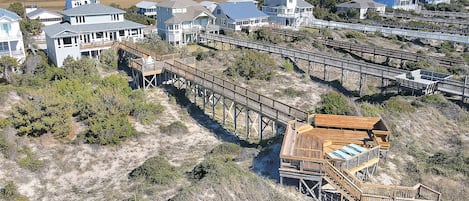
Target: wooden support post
pixel 204 95
pixel 235 118
pixel 247 123
pixel 195 94
pixel 260 128
pixel 309 67
pixel 464 88
pixel 325 72
pixel 224 110
pixel 213 105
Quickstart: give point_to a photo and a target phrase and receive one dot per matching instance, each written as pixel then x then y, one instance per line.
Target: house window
pixel 99 34
pixel 256 21
pixel 218 11
pixel 6 27
pixel 80 19
pixel 245 22
pixel 121 33
pixel 238 23
pixel 67 41
pixel 4 47
pixel 134 32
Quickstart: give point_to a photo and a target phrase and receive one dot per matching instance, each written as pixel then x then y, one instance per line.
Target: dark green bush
pixel 155 170
pixel 29 160
pixel 174 127
pixel 334 103
pixel 292 92
pixel 252 64
pixel 355 34
pixel 397 105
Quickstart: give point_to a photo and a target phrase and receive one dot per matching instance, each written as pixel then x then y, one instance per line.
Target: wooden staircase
pixel 341 183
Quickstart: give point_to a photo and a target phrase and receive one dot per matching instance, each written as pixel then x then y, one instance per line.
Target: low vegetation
pixel 334 103
pixel 219 177
pixel 396 104
pixel 355 34
pixel 154 43
pixel 10 192
pixel 29 160
pixel 176 127
pixel 155 170
pixel 252 64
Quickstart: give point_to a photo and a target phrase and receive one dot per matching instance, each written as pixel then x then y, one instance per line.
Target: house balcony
pixel 12 37
pixel 14 53
pixel 198 29
pixel 96 45
pixel 150 13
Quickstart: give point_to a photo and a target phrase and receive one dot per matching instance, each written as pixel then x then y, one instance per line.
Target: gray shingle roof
pixel 38 11
pixel 57 30
pixel 4 13
pixel 177 3
pixel 92 9
pixel 191 13
pixel 146 4
pixel 360 4
pixel 303 4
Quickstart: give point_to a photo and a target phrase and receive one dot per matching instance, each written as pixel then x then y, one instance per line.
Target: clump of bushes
pixel 287 65
pixel 154 43
pixel 226 151
pixel 10 192
pixel 292 92
pixel 435 99
pixel 77 92
pixel 264 34
pixel 202 55
pixel 155 170
pixel 370 110
pixel 174 127
pixel 252 64
pixel 397 105
pixel 30 160
pixel 334 103
pixel 109 59
pixel 355 34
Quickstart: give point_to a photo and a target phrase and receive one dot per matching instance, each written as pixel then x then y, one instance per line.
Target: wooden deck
pixel 345 122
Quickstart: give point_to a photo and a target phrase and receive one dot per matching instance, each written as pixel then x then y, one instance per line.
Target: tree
pixel 253 65
pixel 31 27
pixel 7 65
pixel 17 8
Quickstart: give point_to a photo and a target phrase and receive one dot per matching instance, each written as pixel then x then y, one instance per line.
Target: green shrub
pixel 397 105
pixel 29 161
pixel 292 92
pixel 435 99
pixel 355 34
pixel 264 34
pixel 318 45
pixel 154 43
pixel 334 103
pixel 202 55
pixel 155 170
pixel 4 147
pixel 252 64
pixel 174 127
pixel 4 122
pixel 10 192
pixel 109 59
pixel 370 110
pixel 227 151
pixel 287 65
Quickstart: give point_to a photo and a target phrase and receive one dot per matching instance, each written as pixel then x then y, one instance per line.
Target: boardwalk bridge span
pixel 236 100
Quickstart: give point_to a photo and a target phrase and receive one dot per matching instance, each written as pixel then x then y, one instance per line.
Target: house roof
pixel 57 30
pixel 303 4
pixel 360 4
pixel 177 3
pixel 4 13
pixel 37 12
pixel 210 5
pixel 241 10
pixel 146 4
pixel 191 13
pixel 92 9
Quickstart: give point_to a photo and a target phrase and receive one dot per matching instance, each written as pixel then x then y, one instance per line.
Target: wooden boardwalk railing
pixel 354 189
pixel 453 87
pixel 257 102
pixel 392 53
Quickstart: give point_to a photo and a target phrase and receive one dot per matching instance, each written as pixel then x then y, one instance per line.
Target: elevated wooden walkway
pixel 391 53
pixel 267 107
pixel 450 86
